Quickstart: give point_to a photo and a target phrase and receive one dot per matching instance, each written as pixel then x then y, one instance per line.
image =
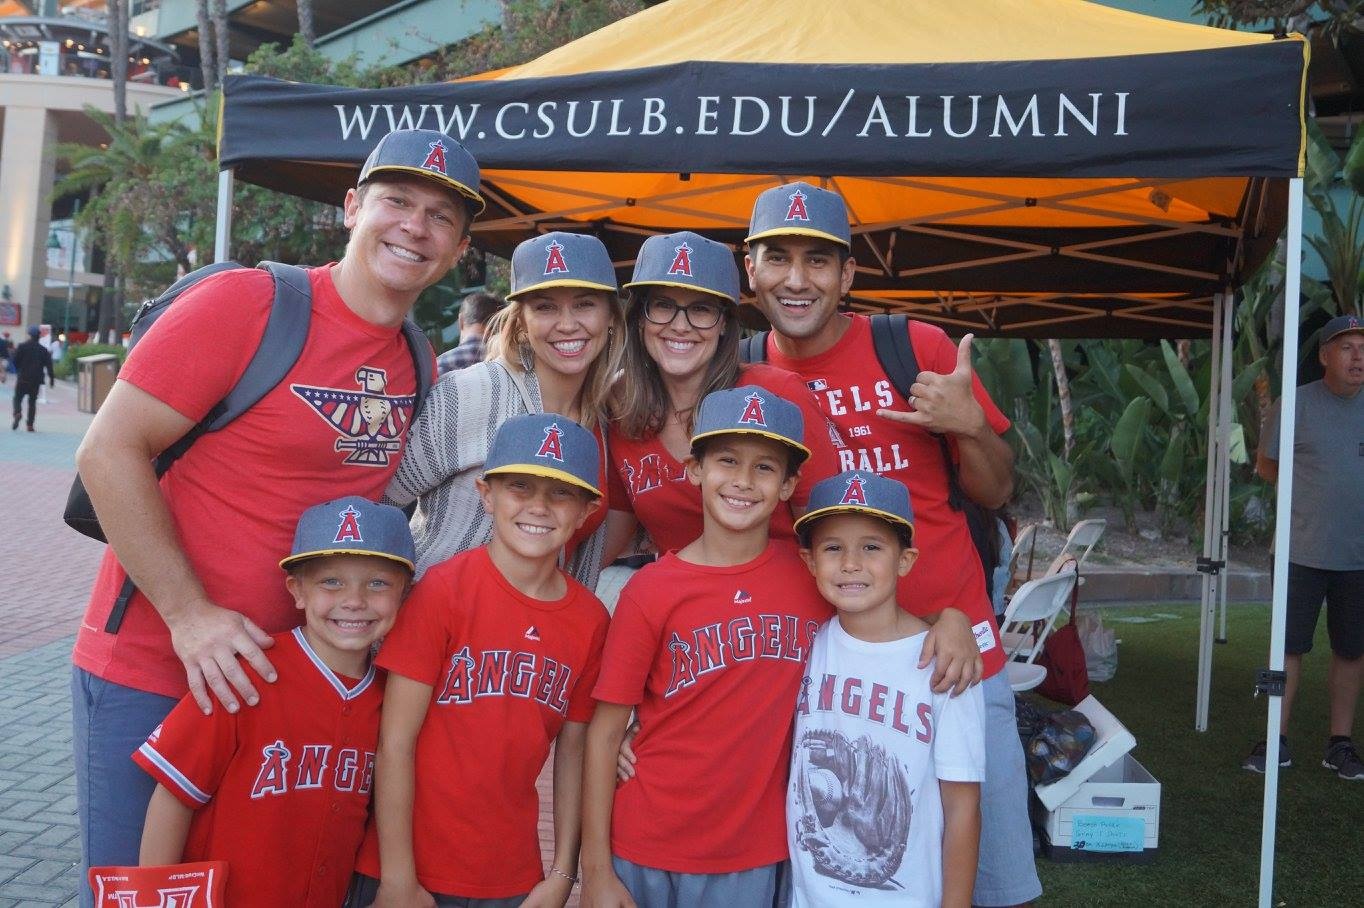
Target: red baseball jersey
pixel 281 789
pixel 712 657
pixel 649 481
pixel 850 385
pixel 334 426
pixel 506 671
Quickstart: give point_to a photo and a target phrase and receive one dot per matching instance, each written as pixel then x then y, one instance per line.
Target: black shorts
pixel 1343 592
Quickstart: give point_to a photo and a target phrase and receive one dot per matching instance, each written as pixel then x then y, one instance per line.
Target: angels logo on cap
pixel 349 528
pixel 796 211
pixel 681 261
pixel 552 446
pixel 435 158
pixel 554 259
pixel 856 492
pixel 753 411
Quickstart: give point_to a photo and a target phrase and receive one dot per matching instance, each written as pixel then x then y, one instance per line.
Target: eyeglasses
pixel 700 315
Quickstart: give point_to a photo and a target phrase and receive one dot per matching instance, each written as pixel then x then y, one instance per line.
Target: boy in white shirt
pixel 883 805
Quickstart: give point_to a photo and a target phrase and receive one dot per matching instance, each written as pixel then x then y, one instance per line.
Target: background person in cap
pixel 857 539
pixel 800 266
pixel 708 643
pixel 474 312
pixel 552 349
pixel 31 361
pixel 493 659
pixel 681 343
pixel 1326 545
pixel 202 542
pixel 281 791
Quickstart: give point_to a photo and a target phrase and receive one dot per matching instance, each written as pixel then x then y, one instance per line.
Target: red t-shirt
pixel 649 481
pixel 850 385
pixel 712 657
pixel 594 519
pixel 506 672
pixel 280 790
pixel 334 426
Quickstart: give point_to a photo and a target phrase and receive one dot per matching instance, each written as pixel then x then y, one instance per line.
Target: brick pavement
pixel 45 574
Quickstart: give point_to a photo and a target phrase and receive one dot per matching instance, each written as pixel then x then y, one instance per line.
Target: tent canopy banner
pixel 1217 112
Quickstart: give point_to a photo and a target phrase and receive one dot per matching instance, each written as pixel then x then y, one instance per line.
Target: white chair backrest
pixel 1082 539
pixel 1037 600
pixel 1022 550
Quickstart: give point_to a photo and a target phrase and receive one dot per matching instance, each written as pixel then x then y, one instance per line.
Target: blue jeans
pixel 109 722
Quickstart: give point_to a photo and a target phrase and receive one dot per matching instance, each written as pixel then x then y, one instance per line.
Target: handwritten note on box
pixel 1109 834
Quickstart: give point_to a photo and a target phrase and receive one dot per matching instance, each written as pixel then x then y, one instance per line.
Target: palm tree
pixel 306 29
pixel 207 60
pixel 220 37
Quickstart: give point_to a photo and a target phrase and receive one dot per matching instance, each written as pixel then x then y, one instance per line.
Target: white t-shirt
pixel 863 809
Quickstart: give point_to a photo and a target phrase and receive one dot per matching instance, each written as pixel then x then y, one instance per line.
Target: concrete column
pixel 27 166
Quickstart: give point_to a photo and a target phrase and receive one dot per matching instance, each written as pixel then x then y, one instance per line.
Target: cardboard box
pixel 1113 814
pixel 1111 741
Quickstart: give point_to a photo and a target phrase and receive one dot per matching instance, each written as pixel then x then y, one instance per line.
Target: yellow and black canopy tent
pixel 1020 167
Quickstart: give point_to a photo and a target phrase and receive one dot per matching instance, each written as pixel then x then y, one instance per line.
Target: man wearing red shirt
pixel 201 542
pixel 800 266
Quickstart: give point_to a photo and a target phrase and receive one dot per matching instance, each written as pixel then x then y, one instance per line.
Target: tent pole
pixel 1224 413
pixel 1283 503
pixel 1211 506
pixel 222 231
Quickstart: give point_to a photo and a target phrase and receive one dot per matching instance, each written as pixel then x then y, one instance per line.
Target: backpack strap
pixel 895 352
pixel 420 348
pixel 753 349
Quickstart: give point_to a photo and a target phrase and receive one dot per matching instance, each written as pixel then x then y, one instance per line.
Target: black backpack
pixel 895 353
pixel 286 332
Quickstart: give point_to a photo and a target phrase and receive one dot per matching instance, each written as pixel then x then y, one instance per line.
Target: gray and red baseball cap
pixel 751 410
pixel 548 445
pixel 860 492
pixel 1341 324
pixel 430 154
pixel 561 259
pixel 799 209
pixel 353 526
pixel 687 260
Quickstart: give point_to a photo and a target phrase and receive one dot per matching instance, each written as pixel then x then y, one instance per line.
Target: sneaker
pixel 14 426
pixel 1344 759
pixel 1255 762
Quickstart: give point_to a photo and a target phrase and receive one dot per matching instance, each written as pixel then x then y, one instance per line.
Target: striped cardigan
pixel 446 448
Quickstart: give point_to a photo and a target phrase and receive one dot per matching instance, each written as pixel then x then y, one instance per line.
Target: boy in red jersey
pixel 281 792
pixel 493 661
pixel 709 643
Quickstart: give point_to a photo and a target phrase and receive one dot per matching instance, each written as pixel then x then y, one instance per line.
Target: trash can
pixel 95 376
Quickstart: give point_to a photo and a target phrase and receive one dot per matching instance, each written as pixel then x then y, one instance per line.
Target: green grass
pixel 1210 810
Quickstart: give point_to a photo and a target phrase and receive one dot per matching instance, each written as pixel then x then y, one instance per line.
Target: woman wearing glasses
pixel 681 343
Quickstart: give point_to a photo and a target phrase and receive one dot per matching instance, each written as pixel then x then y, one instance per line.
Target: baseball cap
pixel 561 259
pixel 687 260
pixel 548 445
pixel 353 526
pixel 860 492
pixel 800 209
pixel 750 410
pixel 34 331
pixel 431 154
pixel 1341 324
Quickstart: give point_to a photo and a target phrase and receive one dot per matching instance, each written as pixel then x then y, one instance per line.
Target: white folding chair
pixel 1031 614
pixel 1081 541
pixel 1023 546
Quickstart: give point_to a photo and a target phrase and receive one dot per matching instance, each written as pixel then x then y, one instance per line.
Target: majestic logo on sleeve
pixel 553 444
pixel 796 210
pixel 753 412
pixel 681 261
pixel 554 261
pixel 532 634
pixel 435 158
pixel 349 528
pixel 371 423
pixel 854 493
pixel 742 598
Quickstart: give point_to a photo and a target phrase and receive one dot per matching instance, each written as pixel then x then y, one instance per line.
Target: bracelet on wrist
pixel 573 880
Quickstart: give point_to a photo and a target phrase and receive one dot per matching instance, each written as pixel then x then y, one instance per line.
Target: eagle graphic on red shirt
pixel 371 423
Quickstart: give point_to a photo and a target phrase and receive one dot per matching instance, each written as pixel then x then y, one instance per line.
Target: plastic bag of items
pixel 1100 644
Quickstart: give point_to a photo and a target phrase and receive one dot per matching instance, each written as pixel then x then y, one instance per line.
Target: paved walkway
pixel 45 574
